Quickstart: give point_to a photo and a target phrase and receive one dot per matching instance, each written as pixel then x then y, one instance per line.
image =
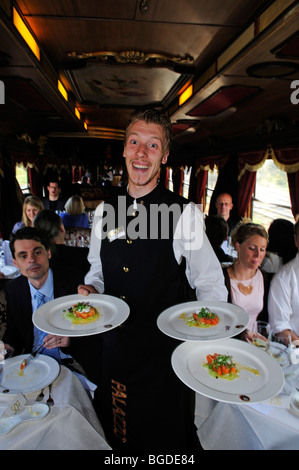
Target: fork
pixel 50 400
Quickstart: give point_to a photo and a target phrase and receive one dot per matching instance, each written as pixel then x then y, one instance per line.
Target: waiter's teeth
pixel 140 167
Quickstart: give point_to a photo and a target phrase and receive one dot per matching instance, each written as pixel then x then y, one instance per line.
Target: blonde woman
pixel 247 285
pixel 32 205
pixel 74 215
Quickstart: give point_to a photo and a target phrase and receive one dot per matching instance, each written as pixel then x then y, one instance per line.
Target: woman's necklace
pixel 245 290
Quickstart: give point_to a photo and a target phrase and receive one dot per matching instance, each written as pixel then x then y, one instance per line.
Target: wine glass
pixel 261 335
pixel 281 348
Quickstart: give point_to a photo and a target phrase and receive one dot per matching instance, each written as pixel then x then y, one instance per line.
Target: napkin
pixel 280 401
pixel 15 406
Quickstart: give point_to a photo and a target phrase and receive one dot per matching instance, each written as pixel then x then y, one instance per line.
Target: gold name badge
pixel 116 233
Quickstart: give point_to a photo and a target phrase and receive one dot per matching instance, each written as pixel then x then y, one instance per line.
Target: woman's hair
pixel 48 223
pixel 152 116
pixel 33 201
pixel 74 205
pixel 246 230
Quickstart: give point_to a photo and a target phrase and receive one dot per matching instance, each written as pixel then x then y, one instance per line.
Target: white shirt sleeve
pixel 94 276
pixel 203 269
pixel 283 301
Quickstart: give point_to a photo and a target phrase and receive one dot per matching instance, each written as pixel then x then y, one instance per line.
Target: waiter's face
pixel 144 152
pixel 32 259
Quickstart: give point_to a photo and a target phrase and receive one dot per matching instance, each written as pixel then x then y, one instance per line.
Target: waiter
pixel 145 246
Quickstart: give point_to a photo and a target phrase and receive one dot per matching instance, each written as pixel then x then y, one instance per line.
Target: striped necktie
pixel 40 335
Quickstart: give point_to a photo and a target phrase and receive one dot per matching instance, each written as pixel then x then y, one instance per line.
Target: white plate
pixel 9 271
pixel 40 373
pixel 188 359
pixel 30 413
pixel 50 316
pixel 232 321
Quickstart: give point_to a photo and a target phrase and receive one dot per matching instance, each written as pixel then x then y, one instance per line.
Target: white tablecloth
pixel 262 426
pixel 71 424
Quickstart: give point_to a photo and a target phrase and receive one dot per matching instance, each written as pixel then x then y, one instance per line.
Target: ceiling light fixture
pixel 62 90
pixel 77 112
pixel 186 95
pixel 144 6
pixel 25 33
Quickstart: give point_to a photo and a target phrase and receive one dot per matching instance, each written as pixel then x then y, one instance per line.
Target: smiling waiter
pixel 145 246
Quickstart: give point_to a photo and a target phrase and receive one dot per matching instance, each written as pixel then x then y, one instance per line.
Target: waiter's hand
pixel 54 341
pixel 86 289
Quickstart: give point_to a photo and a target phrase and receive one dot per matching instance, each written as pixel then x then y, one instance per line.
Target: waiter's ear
pixel 164 158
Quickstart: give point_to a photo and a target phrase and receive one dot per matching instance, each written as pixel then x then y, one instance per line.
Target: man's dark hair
pixel 48 223
pixel 216 230
pixel 27 233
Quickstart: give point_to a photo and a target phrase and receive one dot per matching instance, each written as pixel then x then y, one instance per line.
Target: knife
pixel 30 358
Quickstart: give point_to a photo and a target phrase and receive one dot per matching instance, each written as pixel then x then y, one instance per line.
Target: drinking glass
pixel 281 348
pixel 261 335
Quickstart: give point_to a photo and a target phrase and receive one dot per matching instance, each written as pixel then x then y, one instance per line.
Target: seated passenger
pixel 51 226
pixel 31 256
pixel 247 285
pixel 217 232
pixel 281 248
pixel 31 206
pixel 284 297
pixel 74 215
pixel 54 202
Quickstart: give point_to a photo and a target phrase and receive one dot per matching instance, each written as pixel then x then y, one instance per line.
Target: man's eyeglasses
pixel 226 204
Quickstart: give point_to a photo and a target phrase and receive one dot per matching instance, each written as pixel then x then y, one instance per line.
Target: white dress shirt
pixel 283 302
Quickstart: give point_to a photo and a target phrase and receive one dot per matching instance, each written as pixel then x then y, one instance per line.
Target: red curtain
pixel 288 160
pixel 248 164
pixel 293 180
pixel 35 182
pixel 245 190
pixel 202 177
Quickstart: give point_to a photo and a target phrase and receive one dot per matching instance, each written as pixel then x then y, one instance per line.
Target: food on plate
pixel 23 364
pixel 81 313
pixel 221 366
pixel 202 319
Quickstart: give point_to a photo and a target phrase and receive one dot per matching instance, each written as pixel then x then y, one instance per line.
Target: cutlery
pixel 30 358
pixel 50 400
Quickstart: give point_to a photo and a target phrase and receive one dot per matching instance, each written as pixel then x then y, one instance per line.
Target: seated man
pixel 31 255
pixel 283 300
pixel 54 202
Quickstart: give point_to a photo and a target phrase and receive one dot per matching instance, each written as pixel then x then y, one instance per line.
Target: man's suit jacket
pixel 19 330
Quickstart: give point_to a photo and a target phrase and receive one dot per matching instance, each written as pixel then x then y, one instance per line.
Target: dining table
pixel 71 423
pixel 272 424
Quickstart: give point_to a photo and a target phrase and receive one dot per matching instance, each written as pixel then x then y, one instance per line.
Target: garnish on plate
pixel 221 366
pixel 202 319
pixel 81 313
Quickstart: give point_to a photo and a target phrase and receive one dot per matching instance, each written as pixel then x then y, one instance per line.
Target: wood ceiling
pixel 115 56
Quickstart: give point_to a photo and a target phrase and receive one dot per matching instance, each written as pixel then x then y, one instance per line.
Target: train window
pixel 210 186
pixel 186 181
pixel 22 178
pixel 271 199
pixel 170 181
